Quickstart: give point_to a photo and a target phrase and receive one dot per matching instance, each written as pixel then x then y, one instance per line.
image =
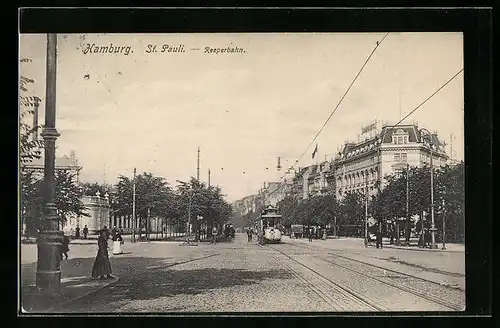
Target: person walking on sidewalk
pixel 85 232
pixel 102 266
pixel 65 247
pixel 214 234
pixel 379 236
pixel 311 233
pixel 77 232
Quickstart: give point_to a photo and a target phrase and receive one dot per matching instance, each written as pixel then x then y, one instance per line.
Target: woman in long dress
pixel 102 266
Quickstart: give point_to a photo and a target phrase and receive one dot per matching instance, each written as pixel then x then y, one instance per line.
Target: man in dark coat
pixel 379 236
pixel 85 232
pixel 77 232
pixel 65 247
pixel 102 266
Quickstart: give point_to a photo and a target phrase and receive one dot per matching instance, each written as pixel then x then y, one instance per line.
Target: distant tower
pixel 279 164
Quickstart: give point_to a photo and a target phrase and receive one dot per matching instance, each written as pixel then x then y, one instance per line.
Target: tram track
pixel 402 287
pixel 328 283
pixel 384 268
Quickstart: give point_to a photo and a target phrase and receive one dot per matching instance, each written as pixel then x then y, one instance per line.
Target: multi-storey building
pixel 65 163
pixel 360 165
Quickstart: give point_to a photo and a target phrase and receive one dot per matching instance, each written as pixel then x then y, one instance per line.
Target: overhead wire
pixel 334 110
pixel 416 108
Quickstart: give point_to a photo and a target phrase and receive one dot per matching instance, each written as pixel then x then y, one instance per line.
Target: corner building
pixel 388 149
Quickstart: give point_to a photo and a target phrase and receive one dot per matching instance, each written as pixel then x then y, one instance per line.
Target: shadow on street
pixel 168 282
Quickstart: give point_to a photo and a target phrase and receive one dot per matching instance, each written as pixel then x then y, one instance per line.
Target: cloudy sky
pixel 152 110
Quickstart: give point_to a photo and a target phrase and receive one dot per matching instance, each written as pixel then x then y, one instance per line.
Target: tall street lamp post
pixel 48 274
pixel 433 229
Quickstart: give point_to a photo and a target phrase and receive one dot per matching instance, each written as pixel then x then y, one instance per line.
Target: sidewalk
pixel 71 289
pixel 75 272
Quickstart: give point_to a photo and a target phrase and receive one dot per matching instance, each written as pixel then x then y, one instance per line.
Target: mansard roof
pixel 411 130
pixel 61 163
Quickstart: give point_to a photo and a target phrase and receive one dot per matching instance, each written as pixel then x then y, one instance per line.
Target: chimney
pixel 35 121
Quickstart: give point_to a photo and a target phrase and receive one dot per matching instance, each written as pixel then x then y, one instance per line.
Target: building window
pixel 400 137
pixel 400 157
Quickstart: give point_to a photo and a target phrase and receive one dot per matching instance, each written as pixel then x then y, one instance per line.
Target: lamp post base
pixel 48 274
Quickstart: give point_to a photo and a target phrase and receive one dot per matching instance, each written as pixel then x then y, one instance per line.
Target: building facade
pixel 361 165
pixel 64 163
pixel 98 215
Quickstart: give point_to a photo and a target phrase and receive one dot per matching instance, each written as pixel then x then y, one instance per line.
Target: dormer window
pixel 400 137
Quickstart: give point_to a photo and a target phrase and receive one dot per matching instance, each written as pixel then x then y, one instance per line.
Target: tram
pixel 269 229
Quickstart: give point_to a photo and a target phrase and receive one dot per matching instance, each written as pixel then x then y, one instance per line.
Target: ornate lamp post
pixel 48 274
pixel 433 228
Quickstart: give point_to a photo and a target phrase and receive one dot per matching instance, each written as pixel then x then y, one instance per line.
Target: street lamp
pixel 433 229
pixel 48 274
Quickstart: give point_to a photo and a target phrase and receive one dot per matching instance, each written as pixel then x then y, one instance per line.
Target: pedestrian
pixel 249 235
pixel 114 232
pixel 85 232
pixel 379 238
pixel 77 232
pixel 65 246
pixel 117 242
pixel 310 233
pixel 102 266
pixel 108 233
pixel 214 234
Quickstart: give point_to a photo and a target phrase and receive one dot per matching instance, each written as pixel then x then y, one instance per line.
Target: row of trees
pixel 390 203
pixel 188 200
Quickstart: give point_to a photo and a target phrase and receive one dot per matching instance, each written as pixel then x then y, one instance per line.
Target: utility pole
pixel 35 121
pixel 133 208
pixel 451 147
pixel 433 226
pixel 209 177
pixel 366 210
pixel 444 226
pixel 198 165
pixel 408 202
pixel 48 274
pixel 147 225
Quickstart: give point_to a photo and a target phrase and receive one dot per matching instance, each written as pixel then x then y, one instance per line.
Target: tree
pixel 69 194
pixel 152 193
pixel 29 149
pixel 352 210
pixel 67 199
pixel 390 203
pixel 198 199
pixel 91 188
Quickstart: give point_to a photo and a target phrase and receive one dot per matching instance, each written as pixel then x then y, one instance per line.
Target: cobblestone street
pixel 246 277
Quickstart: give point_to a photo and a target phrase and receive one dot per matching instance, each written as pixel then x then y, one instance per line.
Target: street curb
pixel 65 303
pixel 421 249
pixel 62 304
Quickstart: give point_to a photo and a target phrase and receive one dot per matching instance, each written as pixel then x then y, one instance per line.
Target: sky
pixel 244 110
